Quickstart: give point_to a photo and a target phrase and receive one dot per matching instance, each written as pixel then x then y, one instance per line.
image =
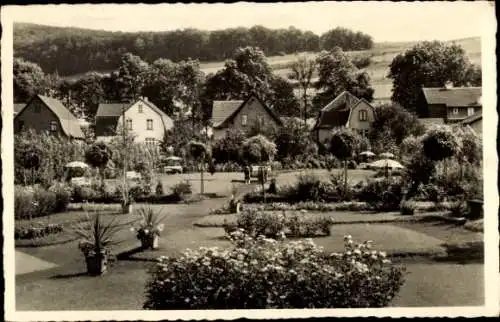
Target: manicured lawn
pixel 66 287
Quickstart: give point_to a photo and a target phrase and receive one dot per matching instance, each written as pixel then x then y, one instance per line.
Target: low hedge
pixel 257 223
pixel 34 231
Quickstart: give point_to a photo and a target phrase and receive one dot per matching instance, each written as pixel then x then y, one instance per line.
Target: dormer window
pixel 455 111
pixel 470 111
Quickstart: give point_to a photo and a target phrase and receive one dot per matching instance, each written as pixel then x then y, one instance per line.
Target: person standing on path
pixel 246 171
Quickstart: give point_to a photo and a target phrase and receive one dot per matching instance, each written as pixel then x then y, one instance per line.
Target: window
pixel 53 126
pixel 37 108
pixel 244 119
pixel 149 124
pixel 470 111
pixel 363 115
pixel 150 141
pixel 21 125
pixel 129 125
pixel 140 108
pixel 455 111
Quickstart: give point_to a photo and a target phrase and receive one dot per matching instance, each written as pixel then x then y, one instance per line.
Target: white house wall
pixel 139 122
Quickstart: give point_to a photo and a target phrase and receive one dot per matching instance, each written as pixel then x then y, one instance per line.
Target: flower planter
pixel 149 241
pixel 475 209
pixel 96 264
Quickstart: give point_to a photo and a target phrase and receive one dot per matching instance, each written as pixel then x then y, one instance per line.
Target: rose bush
pixel 259 273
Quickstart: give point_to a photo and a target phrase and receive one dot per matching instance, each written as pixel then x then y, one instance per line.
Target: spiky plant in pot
pixel 150 227
pixel 96 240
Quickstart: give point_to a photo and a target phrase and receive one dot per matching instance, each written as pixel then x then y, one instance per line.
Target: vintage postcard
pixel 249 160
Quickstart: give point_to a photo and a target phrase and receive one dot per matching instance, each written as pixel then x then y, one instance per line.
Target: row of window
pixel 470 111
pixel 149 124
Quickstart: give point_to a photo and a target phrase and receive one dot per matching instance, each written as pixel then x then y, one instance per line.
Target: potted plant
pixel 96 241
pixel 149 228
pixel 126 201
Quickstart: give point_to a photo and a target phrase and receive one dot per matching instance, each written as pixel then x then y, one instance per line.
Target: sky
pixel 384 21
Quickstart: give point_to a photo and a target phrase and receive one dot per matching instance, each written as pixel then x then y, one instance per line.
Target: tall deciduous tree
pixel 393 124
pixel 336 73
pixel 131 76
pixel 303 70
pixel 29 80
pixel 430 64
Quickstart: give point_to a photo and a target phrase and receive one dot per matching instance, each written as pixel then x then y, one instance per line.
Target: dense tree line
pixel 182 90
pixel 69 51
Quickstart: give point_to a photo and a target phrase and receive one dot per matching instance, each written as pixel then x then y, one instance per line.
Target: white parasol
pixel 386 155
pixel 76 164
pixel 386 163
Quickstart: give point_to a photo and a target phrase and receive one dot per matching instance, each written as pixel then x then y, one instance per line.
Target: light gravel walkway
pixel 27 264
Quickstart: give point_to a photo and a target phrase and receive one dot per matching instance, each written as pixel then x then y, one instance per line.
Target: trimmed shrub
pixel 383 195
pixel 408 208
pixel 272 224
pixel 260 273
pixel 182 189
pixel 63 196
pixel 83 194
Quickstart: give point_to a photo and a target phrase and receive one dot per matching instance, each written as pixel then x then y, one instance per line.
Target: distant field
pixel 381 55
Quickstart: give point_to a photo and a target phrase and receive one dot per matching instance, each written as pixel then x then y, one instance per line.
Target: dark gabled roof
pixel 111 109
pixel 18 107
pixel 344 101
pixel 221 110
pixel 230 116
pixel 108 114
pixel 473 118
pixel 69 123
pixel 336 113
pixel 456 96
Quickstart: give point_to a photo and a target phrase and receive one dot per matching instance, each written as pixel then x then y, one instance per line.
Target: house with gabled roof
pixel 346 110
pixel 47 114
pixel 143 120
pixel 451 104
pixel 241 114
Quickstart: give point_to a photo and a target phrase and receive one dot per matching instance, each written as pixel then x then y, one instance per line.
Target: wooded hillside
pixel 69 51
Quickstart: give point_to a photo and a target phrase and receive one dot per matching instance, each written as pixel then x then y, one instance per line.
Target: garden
pixel 273 243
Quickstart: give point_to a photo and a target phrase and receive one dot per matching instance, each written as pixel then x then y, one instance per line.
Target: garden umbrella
pixel 386 163
pixel 76 164
pixel 367 153
pixel 174 158
pixel 386 155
